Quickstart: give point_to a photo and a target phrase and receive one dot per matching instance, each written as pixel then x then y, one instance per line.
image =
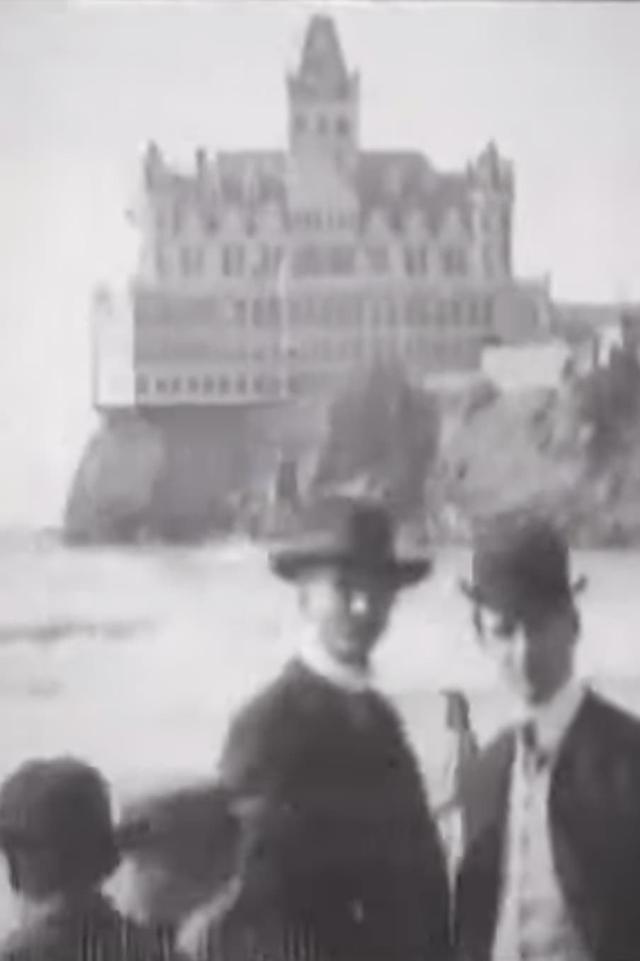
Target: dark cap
pixel 188 828
pixel 60 806
pixel 520 565
pixel 349 533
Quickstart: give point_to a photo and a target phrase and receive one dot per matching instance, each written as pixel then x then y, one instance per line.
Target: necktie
pixel 536 757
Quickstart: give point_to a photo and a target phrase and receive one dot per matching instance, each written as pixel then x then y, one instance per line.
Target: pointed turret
pixel 322 74
pixel 323 97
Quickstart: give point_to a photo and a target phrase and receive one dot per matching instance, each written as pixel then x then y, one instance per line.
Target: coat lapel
pixel 575 798
pixel 485 805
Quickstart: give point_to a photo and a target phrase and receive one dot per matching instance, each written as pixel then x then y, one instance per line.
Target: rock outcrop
pixel 188 474
pixel 178 475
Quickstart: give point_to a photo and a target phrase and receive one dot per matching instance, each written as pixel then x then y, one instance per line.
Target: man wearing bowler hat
pixel 344 842
pixel 551 869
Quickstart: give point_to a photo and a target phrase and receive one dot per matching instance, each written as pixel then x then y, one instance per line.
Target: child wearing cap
pixel 179 856
pixel 60 846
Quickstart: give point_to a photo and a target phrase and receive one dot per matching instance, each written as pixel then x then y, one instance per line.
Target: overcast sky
pixel 84 85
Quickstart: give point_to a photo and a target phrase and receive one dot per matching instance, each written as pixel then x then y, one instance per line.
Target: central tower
pixel 324 100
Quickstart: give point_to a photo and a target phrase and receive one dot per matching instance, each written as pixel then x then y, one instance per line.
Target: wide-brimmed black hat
pixel 356 534
pixel 60 806
pixel 520 565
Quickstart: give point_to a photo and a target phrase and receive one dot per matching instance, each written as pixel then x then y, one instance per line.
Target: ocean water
pixel 136 659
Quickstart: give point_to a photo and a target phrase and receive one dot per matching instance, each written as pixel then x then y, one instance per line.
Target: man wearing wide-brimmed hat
pixel 342 837
pixel 552 863
pixel 59 845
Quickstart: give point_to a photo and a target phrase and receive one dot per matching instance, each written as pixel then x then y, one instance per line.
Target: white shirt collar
pixel 314 656
pixel 553 719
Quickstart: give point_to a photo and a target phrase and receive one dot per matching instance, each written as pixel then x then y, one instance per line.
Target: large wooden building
pixel 266 276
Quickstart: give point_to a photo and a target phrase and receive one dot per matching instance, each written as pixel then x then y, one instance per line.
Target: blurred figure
pixel 350 861
pixel 551 868
pixel 180 849
pixel 460 750
pixel 58 840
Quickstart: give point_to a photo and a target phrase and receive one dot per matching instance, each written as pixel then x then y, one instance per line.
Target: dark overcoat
pixel 91 931
pixel 350 857
pixel 594 817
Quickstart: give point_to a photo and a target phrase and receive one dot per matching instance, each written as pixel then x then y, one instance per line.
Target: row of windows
pixel 267 385
pixel 170 224
pixel 266 313
pixel 321 125
pixel 202 386
pixel 194 388
pixel 318 349
pixel 313 261
pixel 234 261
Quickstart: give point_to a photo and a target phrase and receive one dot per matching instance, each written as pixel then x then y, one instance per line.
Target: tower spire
pixel 323 97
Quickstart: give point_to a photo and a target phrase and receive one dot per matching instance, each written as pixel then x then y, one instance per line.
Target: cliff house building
pixel 266 277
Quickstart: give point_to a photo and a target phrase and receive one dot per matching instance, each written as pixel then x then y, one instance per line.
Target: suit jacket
pixel 345 849
pixel 87 932
pixel 594 816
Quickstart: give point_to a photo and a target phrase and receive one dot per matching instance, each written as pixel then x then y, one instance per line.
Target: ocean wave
pixel 52 632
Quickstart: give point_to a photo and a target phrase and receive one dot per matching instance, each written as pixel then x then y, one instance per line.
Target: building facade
pixel 266 276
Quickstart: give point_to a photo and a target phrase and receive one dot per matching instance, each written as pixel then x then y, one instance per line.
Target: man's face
pixel 349 610
pixel 534 656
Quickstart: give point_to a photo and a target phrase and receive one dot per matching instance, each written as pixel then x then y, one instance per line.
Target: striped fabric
pixel 93 931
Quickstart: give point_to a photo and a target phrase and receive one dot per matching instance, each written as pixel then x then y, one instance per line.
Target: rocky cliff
pixel 183 475
pixel 180 475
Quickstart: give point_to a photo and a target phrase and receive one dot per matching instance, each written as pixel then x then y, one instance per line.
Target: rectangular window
pixel 257 313
pixel 161 263
pixel 378 259
pixel 341 260
pixel 142 384
pixel 273 310
pixel 409 261
pixel 240 311
pixel 177 219
pixel 454 261
pixel 233 260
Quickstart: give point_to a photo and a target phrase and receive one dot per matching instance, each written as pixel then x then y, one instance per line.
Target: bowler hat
pixel 520 565
pixel 60 806
pixel 347 533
